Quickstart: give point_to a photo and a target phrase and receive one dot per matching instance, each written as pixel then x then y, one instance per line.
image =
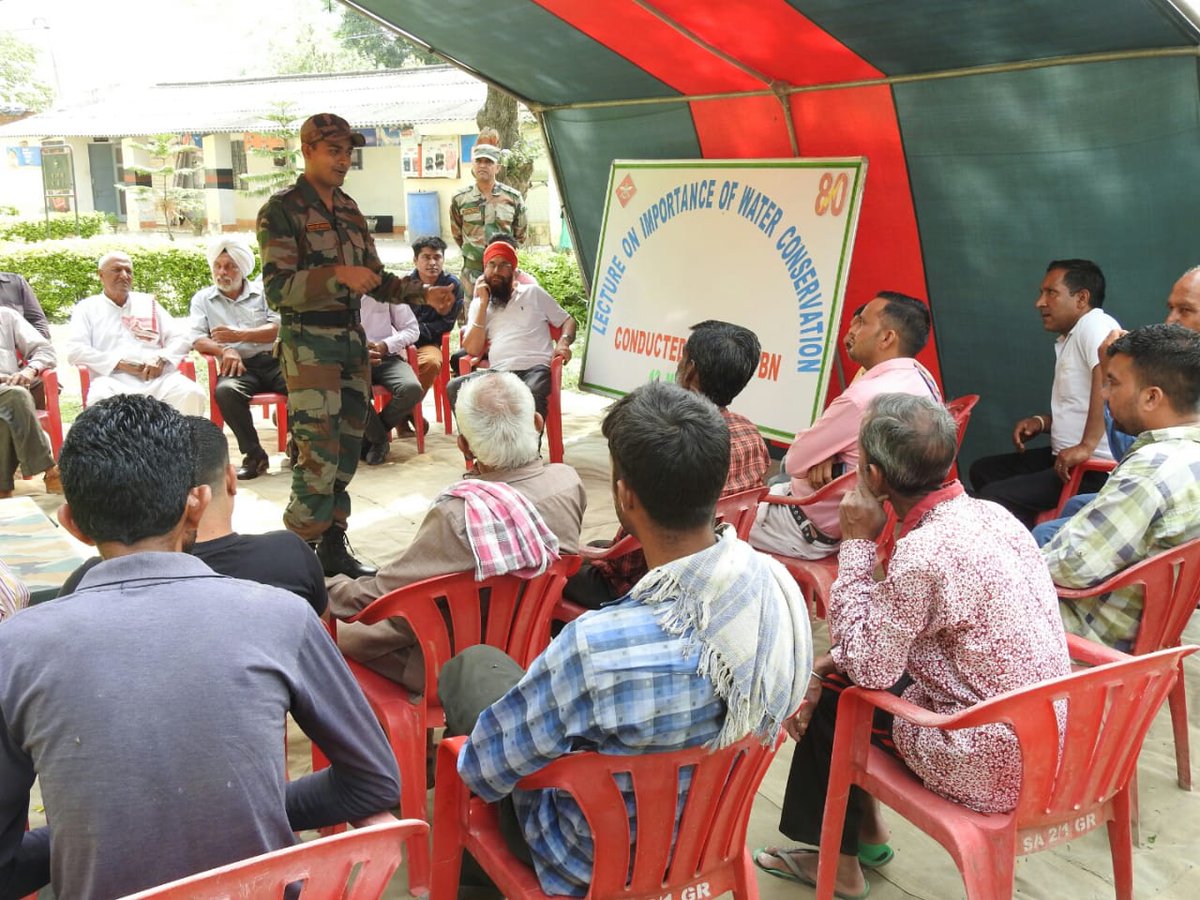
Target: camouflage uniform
pixel 475 220
pixel 321 347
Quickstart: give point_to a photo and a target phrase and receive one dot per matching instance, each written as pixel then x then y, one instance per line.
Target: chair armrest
pixel 897 706
pixel 1090 653
pixel 841 484
pixel 623 547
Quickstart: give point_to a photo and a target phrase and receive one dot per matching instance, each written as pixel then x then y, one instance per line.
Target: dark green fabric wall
pixel 1010 171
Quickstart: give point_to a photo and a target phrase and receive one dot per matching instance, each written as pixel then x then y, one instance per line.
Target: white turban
pixel 239 251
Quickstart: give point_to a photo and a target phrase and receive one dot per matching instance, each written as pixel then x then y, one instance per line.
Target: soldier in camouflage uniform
pixel 318 260
pixel 484 209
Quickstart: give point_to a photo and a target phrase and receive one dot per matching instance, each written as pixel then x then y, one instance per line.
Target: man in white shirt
pixel 390 328
pixel 513 320
pixel 24 356
pixel 129 343
pixel 230 320
pixel 1029 481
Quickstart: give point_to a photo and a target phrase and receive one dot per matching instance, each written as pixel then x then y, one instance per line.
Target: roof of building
pixel 417 96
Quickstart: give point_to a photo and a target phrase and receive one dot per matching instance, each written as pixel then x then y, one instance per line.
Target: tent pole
pixel 889 80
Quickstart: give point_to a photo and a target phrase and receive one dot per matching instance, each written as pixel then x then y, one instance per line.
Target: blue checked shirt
pixel 612 681
pixel 1150 503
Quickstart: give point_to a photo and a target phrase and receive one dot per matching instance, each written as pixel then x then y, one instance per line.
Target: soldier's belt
pixel 329 318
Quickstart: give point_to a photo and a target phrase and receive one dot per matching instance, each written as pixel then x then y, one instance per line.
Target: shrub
pixel 64 272
pixel 61 226
pixel 558 273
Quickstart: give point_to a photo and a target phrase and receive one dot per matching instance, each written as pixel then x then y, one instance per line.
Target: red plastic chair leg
pixel 1179 724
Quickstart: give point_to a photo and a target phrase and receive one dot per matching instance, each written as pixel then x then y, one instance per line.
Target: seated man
pixel 231 321
pixel 278 558
pixel 1183 308
pixel 17 295
pixel 498 426
pixel 965 612
pixel 513 320
pixel 14 593
pixel 429 257
pixel 390 328
pixel 884 337
pixel 718 361
pixel 1151 501
pixel 712 645
pixel 157 736
pixel 1029 481
pixel 130 344
pixel 24 355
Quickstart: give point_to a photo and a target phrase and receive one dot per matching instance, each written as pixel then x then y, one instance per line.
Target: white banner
pixel 761 243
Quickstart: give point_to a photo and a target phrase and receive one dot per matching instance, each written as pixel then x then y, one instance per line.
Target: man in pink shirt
pixel 884 337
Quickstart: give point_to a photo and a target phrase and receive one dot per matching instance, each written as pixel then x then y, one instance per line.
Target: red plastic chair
pixel 266 400
pixel 705 857
pixel 960 409
pixel 1170 583
pixel 1064 793
pixel 445 614
pixel 736 509
pixel 1071 488
pixel 382 397
pixel 441 397
pixel 51 417
pixel 186 366
pixel 356 865
pixel 816 576
pixel 554 438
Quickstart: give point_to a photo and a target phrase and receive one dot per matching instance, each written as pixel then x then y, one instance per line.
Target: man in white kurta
pixel 129 343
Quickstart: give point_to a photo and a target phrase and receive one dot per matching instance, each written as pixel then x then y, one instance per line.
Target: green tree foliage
pixel 19 89
pixel 382 48
pixel 284 170
pixel 169 166
pixel 558 274
pixel 312 51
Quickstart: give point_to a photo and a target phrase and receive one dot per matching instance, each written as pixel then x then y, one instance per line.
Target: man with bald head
pixel 231 321
pixel 129 343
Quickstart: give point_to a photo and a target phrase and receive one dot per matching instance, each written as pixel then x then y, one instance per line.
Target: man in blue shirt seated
pixel 150 704
pixel 712 644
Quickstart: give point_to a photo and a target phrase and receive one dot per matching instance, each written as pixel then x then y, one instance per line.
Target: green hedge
pixel 64 272
pixel 61 226
pixel 558 274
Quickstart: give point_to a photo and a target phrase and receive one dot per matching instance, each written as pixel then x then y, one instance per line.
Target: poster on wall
pixel 762 243
pixel 439 158
pixel 410 160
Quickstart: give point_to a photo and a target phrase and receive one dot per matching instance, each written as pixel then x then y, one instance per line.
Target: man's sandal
pixel 792 872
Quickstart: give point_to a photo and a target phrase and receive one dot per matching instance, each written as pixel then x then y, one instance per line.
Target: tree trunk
pixel 499 111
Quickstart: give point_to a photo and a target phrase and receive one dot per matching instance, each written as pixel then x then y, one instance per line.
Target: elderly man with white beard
pixel 231 321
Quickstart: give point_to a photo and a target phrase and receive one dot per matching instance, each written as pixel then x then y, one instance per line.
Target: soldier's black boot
pixel 334 553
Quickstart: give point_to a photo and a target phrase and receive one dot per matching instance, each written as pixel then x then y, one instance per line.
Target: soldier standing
pixel 318 260
pixel 485 209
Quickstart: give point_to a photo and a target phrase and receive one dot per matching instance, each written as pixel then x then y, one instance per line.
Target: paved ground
pixel 390 501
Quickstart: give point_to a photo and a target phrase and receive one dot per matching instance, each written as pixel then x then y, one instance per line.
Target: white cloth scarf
pixel 749 618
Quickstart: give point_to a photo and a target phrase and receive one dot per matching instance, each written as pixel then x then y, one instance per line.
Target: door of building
pixel 105 174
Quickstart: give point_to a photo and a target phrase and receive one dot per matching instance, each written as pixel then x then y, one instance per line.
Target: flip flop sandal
pixel 872 856
pixel 792 872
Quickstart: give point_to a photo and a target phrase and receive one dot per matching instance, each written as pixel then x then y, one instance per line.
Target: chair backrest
pixel 1108 710
pixel 451 612
pixel 1170 585
pixel 712 829
pixel 738 509
pixel 354 865
pixel 960 410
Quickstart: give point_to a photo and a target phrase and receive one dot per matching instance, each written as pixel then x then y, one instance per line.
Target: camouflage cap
pixel 328 127
pixel 486 151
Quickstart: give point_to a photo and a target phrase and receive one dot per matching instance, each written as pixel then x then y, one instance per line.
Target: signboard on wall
pixel 439 158
pixel 761 243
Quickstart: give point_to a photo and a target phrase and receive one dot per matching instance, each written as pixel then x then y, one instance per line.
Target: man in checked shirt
pixel 626 679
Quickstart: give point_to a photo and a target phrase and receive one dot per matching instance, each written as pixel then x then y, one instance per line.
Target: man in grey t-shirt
pixel 151 702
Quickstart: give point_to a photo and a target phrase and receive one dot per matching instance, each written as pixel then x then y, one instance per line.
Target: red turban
pixel 502 250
